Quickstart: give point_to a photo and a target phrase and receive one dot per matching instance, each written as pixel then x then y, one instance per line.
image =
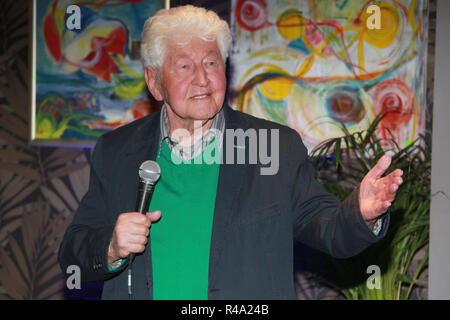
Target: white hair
pixel 174 24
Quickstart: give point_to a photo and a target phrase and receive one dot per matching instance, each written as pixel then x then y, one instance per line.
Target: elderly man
pixel 218 230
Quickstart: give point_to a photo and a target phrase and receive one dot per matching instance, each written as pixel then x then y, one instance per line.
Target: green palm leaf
pixel 408 233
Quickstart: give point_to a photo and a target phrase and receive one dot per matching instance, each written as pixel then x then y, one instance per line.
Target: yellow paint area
pixel 386 35
pixel 290 24
pixel 276 88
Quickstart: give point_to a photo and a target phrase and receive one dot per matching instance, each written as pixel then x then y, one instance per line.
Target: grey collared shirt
pixel 187 153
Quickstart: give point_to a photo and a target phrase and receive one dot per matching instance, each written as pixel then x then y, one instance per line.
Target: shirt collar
pixel 189 152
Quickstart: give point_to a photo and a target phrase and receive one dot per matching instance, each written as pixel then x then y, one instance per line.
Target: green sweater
pixel 180 240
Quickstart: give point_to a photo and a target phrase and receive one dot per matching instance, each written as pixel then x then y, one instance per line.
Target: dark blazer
pixel 256 216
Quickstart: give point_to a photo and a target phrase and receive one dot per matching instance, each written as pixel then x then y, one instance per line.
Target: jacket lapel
pixel 144 147
pixel 146 142
pixel 228 189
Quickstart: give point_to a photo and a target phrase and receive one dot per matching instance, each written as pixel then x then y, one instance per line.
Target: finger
pixel 396 174
pixel 137 239
pixel 390 196
pixel 391 178
pixel 124 230
pixel 133 217
pixel 154 216
pixel 380 168
pixel 391 191
pixel 141 218
pixel 136 248
pixel 394 188
pixel 126 241
pixel 139 229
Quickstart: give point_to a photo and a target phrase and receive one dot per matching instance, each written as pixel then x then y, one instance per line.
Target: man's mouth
pixel 200 96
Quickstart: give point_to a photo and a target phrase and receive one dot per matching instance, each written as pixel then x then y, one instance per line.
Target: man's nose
pixel 200 77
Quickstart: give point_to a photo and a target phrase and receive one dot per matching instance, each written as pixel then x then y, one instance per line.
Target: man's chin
pixel 205 115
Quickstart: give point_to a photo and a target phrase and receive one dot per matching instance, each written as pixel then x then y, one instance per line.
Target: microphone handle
pixel 145 193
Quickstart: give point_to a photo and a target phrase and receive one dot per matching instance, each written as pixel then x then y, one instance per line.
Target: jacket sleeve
pixel 320 220
pixel 86 240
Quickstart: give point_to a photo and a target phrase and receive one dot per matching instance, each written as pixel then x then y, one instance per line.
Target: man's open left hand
pixel 376 193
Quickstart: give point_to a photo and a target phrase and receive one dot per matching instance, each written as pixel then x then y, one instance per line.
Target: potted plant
pixel 353 155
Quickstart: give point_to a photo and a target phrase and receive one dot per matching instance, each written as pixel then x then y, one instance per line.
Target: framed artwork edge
pixel 33 141
pixel 32 71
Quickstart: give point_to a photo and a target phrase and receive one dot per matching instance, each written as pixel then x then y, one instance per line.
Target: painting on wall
pixel 87 76
pixel 313 65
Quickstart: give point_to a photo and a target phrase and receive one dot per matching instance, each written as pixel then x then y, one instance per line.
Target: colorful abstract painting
pixel 315 64
pixel 88 80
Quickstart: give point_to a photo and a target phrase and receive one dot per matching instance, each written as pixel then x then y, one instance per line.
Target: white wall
pixel 439 269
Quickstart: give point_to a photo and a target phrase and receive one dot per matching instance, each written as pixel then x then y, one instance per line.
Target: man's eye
pixel 211 63
pixel 184 66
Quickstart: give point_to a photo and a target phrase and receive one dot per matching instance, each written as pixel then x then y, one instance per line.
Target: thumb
pixel 154 215
pixel 380 168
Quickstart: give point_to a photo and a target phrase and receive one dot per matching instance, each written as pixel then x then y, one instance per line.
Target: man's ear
pixel 151 79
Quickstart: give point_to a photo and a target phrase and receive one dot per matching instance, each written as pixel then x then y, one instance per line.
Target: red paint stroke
pixel 143 107
pixel 51 34
pixel 103 47
pixel 99 61
pixel 100 124
pixel 251 15
pixel 394 98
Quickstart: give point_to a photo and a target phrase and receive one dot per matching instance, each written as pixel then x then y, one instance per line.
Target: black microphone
pixel 149 173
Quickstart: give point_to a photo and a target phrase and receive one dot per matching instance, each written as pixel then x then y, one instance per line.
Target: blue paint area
pixel 341 3
pixel 299 45
pixel 350 93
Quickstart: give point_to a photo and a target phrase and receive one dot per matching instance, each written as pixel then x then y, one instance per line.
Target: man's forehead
pixel 192 48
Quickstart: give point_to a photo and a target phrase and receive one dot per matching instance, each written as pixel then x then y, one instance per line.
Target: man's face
pixel 193 81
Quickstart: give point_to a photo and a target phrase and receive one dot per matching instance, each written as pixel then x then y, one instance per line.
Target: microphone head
pixel 149 171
